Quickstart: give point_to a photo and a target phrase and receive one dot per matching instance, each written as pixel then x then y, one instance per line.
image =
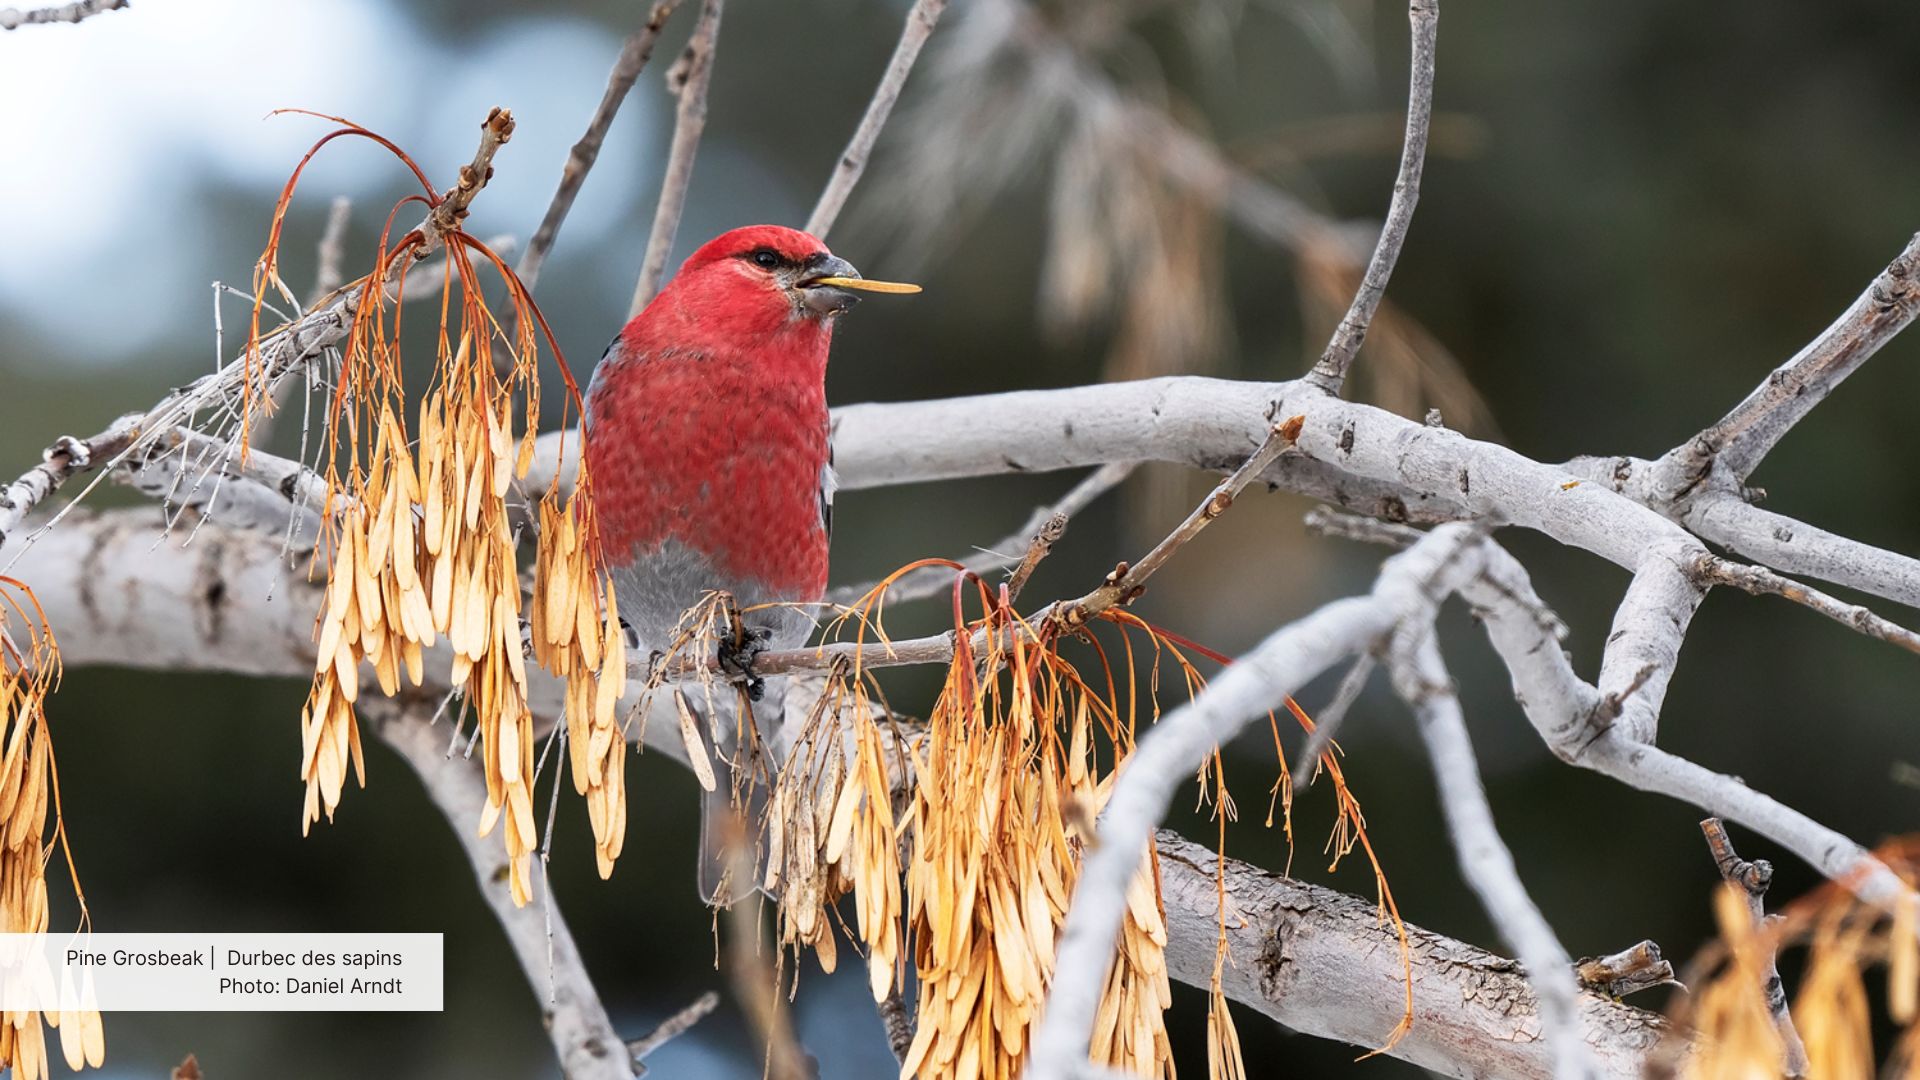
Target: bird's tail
pixel 733 816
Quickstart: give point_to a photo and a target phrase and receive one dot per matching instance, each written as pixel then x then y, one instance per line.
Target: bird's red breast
pixel 707 419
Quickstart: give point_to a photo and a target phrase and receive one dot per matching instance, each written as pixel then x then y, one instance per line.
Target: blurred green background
pixel 1659 203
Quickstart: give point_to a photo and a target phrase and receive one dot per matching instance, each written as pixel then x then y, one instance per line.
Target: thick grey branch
pixel 1324 963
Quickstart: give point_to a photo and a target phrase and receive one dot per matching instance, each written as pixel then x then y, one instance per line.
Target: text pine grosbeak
pixel 707 436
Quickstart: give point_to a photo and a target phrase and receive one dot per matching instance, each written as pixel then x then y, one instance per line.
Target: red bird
pixel 708 438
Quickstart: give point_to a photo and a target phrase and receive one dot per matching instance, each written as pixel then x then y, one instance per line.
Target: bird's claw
pixel 737 657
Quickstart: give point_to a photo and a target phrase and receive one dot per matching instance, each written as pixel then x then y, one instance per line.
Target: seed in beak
pixel 864 285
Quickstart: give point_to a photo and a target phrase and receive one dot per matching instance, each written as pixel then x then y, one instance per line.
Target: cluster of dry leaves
pixel 29 669
pixel 424 545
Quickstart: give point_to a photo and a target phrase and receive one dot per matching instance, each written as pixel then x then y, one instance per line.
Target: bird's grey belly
pixel 655 591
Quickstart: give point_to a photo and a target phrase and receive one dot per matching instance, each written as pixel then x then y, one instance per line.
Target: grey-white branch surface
pixel 229 597
pixel 1323 963
pixel 13 18
pixel 1421 679
pixel 1330 372
pixel 583 1037
pixel 1367 460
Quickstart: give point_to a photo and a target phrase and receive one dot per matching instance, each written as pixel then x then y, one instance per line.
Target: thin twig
pixel 332 249
pixel 1326 521
pixel 286 349
pixel 495 130
pixel 1125 584
pixel 58 463
pixel 1330 718
pixel 938 580
pixel 899 1023
pixel 1742 438
pixel 634 54
pixel 13 18
pixel 688 80
pixel 1331 371
pixel 1752 879
pixel 853 160
pixel 1040 548
pixel 671 1028
pixel 1758 580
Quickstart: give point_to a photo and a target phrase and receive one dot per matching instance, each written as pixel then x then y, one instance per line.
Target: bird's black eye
pixel 766 258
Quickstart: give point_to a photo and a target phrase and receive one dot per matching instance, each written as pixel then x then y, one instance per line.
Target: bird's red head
pixel 754 285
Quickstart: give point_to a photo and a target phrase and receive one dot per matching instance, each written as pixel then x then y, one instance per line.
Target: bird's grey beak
pixel 822 294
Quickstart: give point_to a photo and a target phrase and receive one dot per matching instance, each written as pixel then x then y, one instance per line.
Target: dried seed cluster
pixel 1002 789
pixel 29 668
pixel 994 862
pixel 425 547
pixel 832 831
pixel 575 622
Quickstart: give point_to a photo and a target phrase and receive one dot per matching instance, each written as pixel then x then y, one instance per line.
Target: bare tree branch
pixel 125 601
pixel 935 580
pixel 1324 964
pixel 634 54
pixel 671 1028
pixel 1763 582
pixel 1327 721
pixel 281 352
pixel 582 1035
pixel 1742 438
pixel 58 464
pixel 688 79
pixel 1570 716
pixel 1126 583
pixel 921 19
pixel 1176 745
pixel 1752 879
pixel 14 18
pixel 332 248
pixel 1331 370
pixel 1422 680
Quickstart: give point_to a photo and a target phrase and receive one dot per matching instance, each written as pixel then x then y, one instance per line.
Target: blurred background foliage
pixel 1633 211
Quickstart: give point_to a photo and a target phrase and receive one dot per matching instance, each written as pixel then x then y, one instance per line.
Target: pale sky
pixel 109 129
